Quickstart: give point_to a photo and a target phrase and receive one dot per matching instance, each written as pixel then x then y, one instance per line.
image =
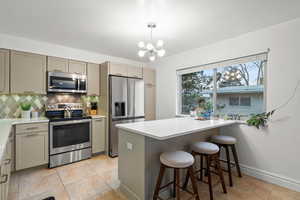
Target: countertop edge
pixel 177 134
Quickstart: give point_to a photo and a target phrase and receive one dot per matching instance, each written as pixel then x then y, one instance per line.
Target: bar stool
pixel 228 142
pixel 210 152
pixel 176 160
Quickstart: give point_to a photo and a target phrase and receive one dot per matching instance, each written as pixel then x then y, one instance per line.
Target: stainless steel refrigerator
pixel 126 105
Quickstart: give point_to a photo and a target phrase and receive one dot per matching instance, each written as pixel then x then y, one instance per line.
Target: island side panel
pixel 131 165
pixel 155 147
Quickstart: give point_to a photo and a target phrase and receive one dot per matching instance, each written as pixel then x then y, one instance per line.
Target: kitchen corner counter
pixel 174 127
pixel 5 129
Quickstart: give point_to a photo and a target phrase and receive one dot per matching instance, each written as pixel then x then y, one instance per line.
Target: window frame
pixel 215 66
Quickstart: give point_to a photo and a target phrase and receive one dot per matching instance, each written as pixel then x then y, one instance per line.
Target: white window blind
pixel 229 62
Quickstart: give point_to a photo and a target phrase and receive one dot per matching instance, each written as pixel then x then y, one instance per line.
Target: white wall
pixel 44 48
pixel 273 153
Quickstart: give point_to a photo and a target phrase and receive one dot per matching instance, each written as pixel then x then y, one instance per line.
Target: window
pixel 245 101
pixel 195 86
pixel 234 101
pixel 230 87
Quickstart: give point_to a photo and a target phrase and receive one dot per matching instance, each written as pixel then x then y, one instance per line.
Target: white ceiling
pixel 115 26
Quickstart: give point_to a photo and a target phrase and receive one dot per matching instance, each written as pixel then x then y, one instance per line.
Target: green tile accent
pixel 10 104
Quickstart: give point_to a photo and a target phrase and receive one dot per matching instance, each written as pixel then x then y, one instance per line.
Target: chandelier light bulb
pixel 152 58
pixel 161 52
pixel 150 46
pixel 160 43
pixel 141 53
pixel 141 44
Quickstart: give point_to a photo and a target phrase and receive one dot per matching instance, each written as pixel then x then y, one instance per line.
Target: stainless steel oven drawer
pixel 69 157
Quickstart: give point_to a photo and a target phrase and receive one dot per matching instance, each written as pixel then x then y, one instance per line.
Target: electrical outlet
pixel 129 146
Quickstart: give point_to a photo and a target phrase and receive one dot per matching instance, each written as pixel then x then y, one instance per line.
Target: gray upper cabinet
pixel 118 69
pixel 4 71
pixel 28 73
pixel 77 67
pixel 57 64
pixel 126 70
pixel 93 73
pixel 135 72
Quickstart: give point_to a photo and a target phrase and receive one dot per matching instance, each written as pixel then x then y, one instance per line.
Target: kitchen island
pixel 141 143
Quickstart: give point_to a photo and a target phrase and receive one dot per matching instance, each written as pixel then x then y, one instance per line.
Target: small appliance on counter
pixel 94 108
pixel 69 134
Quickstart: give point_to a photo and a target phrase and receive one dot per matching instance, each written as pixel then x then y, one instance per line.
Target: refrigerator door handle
pixel 134 98
pixel 128 97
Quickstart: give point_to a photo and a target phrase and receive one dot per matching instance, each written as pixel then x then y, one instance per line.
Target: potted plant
pixel 26 110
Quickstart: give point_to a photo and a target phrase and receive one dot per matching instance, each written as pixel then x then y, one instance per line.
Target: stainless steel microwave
pixel 66 82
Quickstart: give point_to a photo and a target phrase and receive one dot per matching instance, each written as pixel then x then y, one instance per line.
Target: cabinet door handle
pixel 28 92
pixel 5 178
pixel 98 120
pixel 7 161
pixel 32 134
pixel 32 128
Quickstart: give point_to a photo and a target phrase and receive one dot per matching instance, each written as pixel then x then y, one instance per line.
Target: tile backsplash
pixel 10 104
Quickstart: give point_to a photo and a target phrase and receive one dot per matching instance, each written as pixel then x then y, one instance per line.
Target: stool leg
pixel 158 183
pixel 177 184
pixel 220 172
pixel 193 180
pixel 186 179
pixel 174 184
pixel 201 168
pixel 236 160
pixel 228 165
pixel 208 161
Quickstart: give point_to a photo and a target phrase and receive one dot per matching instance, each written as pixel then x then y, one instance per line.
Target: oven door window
pixel 63 83
pixel 71 134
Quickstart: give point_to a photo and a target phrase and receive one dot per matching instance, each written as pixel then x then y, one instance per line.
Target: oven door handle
pixel 70 122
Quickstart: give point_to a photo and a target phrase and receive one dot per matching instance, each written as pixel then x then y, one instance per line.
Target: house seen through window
pixel 234 87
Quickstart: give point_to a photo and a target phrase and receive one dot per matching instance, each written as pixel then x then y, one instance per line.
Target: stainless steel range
pixel 69 134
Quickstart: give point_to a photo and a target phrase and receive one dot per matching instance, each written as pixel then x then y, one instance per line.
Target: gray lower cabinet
pixel 5 170
pixel 31 145
pixel 98 135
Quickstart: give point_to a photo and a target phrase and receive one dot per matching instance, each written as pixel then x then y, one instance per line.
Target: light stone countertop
pixel 6 126
pixel 174 127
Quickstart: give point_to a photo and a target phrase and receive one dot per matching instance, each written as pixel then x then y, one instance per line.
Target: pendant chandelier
pixel 149 49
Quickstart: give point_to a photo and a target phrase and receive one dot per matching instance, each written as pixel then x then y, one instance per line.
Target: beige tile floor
pixel 97 179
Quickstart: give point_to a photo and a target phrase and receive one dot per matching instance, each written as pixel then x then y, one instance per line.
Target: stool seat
pixel 177 159
pixel 205 148
pixel 222 139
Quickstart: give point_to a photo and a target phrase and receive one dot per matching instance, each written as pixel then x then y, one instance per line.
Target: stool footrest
pixel 170 183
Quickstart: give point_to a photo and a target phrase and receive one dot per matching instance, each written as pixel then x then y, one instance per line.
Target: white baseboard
pixel 271 177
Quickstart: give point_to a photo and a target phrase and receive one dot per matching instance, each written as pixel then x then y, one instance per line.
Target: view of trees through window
pixel 238 88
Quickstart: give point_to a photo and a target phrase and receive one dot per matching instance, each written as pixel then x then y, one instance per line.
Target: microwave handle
pixel 78 84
